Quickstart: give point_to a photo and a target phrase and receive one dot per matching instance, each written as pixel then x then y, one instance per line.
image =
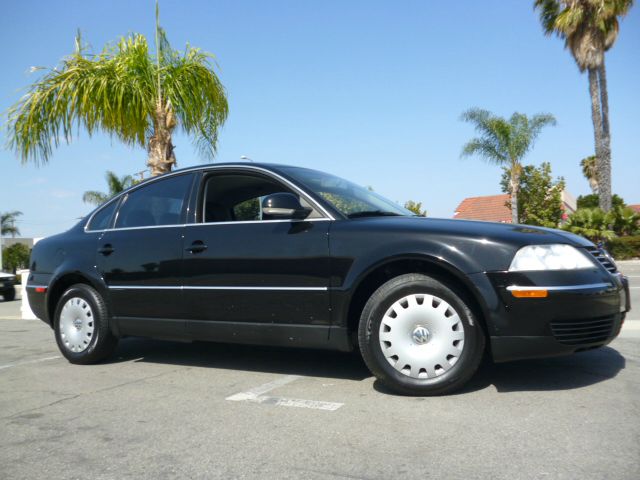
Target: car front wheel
pixel 81 326
pixel 420 337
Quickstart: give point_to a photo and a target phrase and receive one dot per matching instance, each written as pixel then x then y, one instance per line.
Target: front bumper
pixel 582 310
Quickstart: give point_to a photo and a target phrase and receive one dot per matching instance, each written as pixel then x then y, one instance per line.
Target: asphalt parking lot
pixel 171 410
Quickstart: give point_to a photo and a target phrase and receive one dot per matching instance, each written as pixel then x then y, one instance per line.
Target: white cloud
pixel 32 182
pixel 60 193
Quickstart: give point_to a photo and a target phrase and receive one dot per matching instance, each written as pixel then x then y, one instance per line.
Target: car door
pixel 251 279
pixel 140 258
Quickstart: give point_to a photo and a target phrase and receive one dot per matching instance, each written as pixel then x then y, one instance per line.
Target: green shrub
pixel 15 256
pixel 592 223
pixel 593 200
pixel 624 248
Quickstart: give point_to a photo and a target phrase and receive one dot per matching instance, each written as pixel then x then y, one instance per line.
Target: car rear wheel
pixel 81 326
pixel 420 337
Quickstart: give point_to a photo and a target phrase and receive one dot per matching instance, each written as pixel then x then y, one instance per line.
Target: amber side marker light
pixel 530 293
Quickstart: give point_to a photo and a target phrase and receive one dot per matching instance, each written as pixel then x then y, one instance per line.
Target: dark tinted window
pixel 236 197
pixel 102 219
pixel 159 203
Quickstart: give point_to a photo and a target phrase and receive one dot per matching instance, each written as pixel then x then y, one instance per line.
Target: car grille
pixel 582 332
pixel 600 255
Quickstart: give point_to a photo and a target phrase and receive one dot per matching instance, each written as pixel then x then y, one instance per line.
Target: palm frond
pixel 197 98
pixel 8 223
pixel 494 135
pixel 549 11
pixel 121 91
pixel 486 149
pixel 95 198
pixel 108 92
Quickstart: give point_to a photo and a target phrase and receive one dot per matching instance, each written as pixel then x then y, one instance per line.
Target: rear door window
pixel 159 203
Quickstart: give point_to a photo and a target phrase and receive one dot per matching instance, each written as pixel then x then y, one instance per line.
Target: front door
pixel 250 278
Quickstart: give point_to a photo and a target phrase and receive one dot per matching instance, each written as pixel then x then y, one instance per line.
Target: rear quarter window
pixel 101 220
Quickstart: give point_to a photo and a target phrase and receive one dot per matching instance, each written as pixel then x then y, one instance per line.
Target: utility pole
pixel 141 174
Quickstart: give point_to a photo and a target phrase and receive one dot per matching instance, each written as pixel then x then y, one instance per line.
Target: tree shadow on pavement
pixel 559 373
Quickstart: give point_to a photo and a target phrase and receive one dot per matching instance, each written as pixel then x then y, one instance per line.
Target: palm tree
pixel 592 223
pixel 625 221
pixel 415 207
pixel 505 142
pixel 8 223
pixel 128 93
pixel 116 185
pixel 590 171
pixel 590 28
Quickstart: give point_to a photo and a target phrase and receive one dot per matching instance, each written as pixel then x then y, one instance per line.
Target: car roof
pixel 268 166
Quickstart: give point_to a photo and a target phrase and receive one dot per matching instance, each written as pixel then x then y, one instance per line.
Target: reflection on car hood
pixel 505 232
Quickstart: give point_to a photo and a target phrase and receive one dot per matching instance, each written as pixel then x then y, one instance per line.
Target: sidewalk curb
pixel 627 262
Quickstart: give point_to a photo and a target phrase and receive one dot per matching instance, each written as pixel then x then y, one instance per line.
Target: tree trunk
pixel 605 169
pixel 161 156
pixel 515 184
pixel 596 118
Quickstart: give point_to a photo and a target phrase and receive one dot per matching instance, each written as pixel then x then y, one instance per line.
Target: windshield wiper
pixel 373 213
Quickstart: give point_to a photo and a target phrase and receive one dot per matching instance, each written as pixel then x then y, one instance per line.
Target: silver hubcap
pixel 76 324
pixel 421 336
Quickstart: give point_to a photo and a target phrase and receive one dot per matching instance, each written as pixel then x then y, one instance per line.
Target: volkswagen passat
pixel 278 255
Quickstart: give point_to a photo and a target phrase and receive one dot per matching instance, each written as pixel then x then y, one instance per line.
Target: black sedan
pixel 279 255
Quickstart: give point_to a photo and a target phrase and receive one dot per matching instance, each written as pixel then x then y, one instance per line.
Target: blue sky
pixel 369 90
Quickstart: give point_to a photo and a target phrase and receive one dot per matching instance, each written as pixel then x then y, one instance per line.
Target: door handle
pixel 106 250
pixel 196 247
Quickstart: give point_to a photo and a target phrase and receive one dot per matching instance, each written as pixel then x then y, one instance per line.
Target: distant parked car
pixel 7 286
pixel 277 255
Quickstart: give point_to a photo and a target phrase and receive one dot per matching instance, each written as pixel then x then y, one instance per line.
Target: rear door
pixel 140 258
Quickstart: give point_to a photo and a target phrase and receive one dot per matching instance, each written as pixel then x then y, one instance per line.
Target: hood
pixel 515 235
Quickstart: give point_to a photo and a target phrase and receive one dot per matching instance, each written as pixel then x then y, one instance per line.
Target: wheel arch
pixel 62 282
pixel 391 267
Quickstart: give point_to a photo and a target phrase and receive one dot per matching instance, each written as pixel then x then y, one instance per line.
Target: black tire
pixel 368 337
pixel 102 342
pixel 9 295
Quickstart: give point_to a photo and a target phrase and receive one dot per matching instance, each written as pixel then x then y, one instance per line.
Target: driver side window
pixel 237 197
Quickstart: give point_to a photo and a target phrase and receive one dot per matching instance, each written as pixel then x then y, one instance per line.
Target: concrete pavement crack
pixel 100 390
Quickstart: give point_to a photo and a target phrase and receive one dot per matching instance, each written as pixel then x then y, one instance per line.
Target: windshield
pixel 348 198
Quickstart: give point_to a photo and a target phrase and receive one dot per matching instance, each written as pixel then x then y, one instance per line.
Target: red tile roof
pixel 490 208
pixel 635 207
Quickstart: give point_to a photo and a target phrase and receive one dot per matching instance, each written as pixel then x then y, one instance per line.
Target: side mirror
pixel 283 206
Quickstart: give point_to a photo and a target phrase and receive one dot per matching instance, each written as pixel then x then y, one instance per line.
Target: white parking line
pixel 256 395
pixel 28 362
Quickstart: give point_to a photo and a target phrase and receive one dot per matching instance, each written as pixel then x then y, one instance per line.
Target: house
pixel 635 208
pixel 490 208
pixel 493 208
pixel 8 241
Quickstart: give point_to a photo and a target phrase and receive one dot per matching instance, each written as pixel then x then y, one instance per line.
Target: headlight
pixel 549 257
